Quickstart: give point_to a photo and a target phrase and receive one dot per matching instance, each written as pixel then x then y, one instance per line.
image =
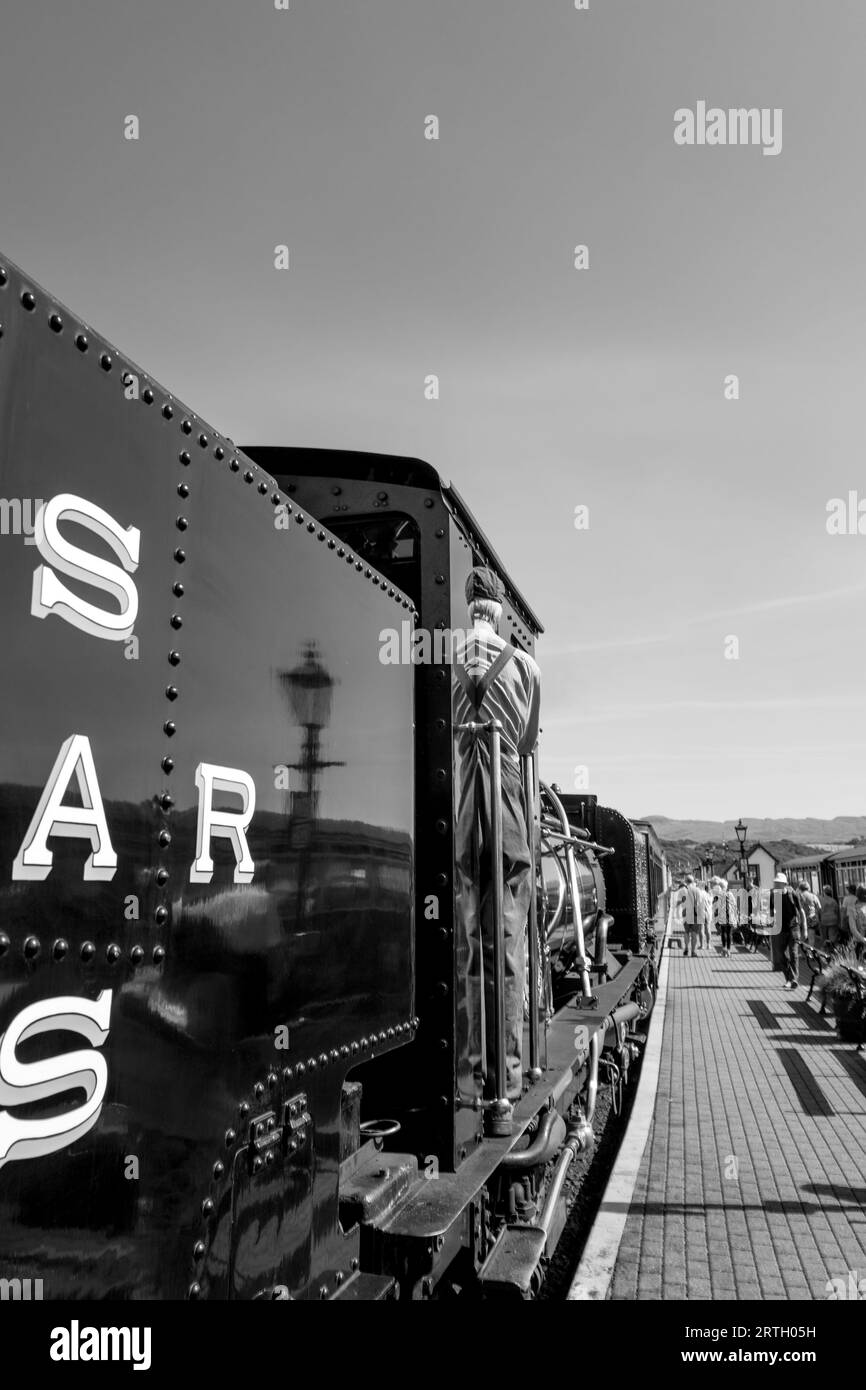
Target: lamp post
pixel 741 831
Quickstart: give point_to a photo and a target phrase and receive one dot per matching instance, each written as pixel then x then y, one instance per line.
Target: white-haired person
pixel 696 914
pixel 725 911
pixel 704 892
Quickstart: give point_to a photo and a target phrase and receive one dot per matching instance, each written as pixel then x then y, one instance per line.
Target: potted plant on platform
pixel 841 993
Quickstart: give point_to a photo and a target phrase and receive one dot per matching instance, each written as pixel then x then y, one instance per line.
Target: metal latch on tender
pixel 297 1121
pixel 267 1137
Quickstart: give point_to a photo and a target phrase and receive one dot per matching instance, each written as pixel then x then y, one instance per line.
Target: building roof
pixel 844 856
pixel 733 861
pixel 805 861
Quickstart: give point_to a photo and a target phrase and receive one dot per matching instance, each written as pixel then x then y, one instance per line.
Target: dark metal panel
pixel 625 876
pixel 73 1217
pixel 320 943
pixel 420 1084
pixel 202 975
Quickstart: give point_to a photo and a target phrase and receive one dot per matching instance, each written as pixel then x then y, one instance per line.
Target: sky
pixel 560 388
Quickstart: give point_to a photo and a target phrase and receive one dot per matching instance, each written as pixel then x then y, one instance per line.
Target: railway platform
pixel 742 1174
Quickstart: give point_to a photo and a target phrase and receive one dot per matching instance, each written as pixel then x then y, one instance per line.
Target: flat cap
pixel 483 583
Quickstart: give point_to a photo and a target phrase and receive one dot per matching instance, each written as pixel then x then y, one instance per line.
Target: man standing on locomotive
pixel 493 680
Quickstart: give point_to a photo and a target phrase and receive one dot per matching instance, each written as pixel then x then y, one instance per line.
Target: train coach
pixel 834 869
pixel 234 989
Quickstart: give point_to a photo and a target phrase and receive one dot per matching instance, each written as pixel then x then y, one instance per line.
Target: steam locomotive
pixel 232 984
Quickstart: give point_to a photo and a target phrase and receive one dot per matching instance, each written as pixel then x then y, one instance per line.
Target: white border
pixel 595 1271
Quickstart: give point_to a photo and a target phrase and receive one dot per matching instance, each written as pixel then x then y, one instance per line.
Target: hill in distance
pixel 808 831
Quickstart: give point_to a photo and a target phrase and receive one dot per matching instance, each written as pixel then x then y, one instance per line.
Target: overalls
pixel 474 884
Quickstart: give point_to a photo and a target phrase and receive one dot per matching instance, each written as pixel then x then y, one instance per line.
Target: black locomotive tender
pixel 233 996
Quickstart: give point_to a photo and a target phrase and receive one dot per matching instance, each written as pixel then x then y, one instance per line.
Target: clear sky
pixel 602 387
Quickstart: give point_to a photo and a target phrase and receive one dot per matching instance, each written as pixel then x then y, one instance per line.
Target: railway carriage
pixel 847 866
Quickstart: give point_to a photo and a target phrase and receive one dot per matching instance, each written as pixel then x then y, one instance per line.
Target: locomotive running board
pixel 430 1209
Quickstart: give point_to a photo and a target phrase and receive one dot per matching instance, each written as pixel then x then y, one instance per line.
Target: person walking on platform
pixel 678 911
pixel 812 908
pixel 788 918
pixel 708 914
pixel 848 902
pixel 492 680
pixel 696 912
pixel 725 911
pixel 858 920
pixel 831 919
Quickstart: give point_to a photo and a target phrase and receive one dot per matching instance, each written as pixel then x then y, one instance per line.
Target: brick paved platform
pixel 753 1180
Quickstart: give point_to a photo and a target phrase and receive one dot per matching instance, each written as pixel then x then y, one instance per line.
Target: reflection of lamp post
pixel 309 693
